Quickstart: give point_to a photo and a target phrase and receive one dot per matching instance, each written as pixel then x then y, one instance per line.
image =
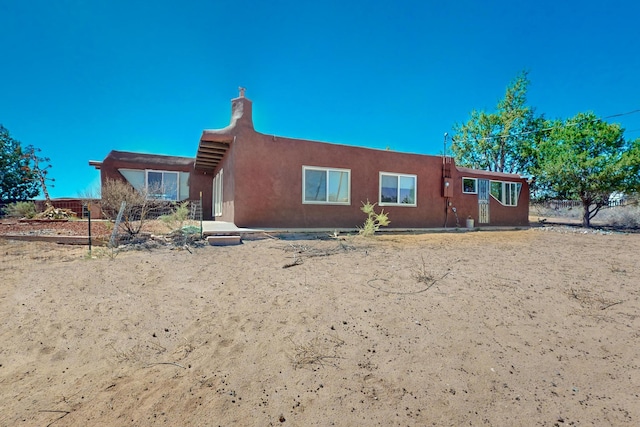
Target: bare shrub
pixel 554 211
pixel 622 216
pixel 137 205
pixel 423 274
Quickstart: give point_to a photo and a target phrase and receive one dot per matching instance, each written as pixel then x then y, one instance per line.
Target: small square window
pixel 470 185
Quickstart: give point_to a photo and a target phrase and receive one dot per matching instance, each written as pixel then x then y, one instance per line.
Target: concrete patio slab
pixel 210 228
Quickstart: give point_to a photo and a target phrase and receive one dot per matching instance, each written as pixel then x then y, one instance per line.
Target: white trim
pixel 327 184
pixel 398 176
pixel 474 186
pixel 218 187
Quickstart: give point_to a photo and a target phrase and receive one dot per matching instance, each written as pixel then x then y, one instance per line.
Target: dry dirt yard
pixel 534 327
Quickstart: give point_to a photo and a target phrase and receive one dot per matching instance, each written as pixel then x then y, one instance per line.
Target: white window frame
pixel 398 176
pixel 475 185
pixel 151 195
pixel 327 171
pixel 218 186
pixel 513 187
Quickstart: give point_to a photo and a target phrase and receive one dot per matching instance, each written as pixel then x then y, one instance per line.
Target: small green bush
pixel 190 229
pixel 176 219
pixel 20 210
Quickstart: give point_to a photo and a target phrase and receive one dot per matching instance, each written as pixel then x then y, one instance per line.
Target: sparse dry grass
pixel 627 216
pixel 316 352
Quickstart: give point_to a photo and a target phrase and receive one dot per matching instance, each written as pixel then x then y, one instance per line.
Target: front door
pixel 483 201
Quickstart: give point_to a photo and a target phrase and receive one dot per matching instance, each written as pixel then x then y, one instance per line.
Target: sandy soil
pixel 518 328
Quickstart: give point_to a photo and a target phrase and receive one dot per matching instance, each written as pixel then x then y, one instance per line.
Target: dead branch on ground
pixel 64 414
pixel 296 261
pixel 165 363
pixel 611 305
pixel 433 282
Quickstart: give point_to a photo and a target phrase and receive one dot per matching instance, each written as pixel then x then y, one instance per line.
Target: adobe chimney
pixel 241 114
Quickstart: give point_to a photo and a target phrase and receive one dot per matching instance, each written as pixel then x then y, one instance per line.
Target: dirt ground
pixel 535 327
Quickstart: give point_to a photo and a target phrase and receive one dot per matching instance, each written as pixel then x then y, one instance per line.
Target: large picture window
pixel 324 185
pixel 506 193
pixel 397 189
pixel 162 185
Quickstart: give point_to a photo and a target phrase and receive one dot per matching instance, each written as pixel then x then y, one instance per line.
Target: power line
pixel 622 114
pixel 487 138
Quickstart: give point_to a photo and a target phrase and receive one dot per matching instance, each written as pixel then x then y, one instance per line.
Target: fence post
pixel 112 241
pixel 89 226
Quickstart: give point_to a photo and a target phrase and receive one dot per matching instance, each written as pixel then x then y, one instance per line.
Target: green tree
pixel 39 172
pixel 17 178
pixel 504 140
pixel 586 158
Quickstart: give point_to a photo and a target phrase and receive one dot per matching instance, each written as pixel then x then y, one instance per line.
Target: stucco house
pixel 267 181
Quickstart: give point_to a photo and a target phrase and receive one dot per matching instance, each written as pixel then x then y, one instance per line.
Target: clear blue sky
pixel 79 78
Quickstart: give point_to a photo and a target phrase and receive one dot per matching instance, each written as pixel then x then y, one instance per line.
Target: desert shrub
pixel 374 220
pixel 175 220
pixel 20 210
pixel 625 216
pixel 622 216
pixel 549 209
pixel 137 205
pixel 190 229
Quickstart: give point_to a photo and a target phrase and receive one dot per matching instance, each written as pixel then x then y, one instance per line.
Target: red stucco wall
pixel 262 182
pixel 268 193
pixel 500 215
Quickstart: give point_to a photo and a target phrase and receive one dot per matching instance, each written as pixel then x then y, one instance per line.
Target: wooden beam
pixel 211 150
pixel 209 157
pixel 218 145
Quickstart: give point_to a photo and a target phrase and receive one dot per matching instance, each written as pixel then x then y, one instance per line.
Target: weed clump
pixel 374 219
pixel 20 210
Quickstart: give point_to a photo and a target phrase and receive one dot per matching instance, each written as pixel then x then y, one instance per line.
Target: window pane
pixel 154 184
pixel 389 189
pixel 217 193
pixel 170 186
pixel 315 185
pixel 338 186
pixel 496 190
pixel 513 193
pixel 468 185
pixel 407 190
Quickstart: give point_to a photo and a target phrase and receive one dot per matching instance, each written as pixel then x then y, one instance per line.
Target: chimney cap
pixel 241 90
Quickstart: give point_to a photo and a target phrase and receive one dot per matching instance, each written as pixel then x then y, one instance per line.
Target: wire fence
pixel 566 204
pixel 135 223
pixel 39 239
